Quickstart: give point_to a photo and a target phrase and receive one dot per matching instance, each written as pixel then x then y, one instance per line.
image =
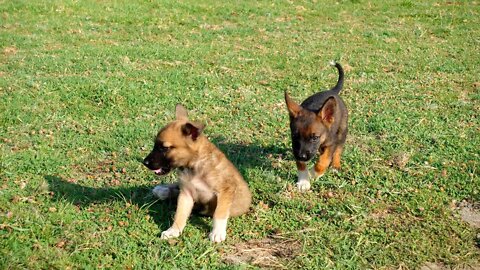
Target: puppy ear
pixel 327 113
pixel 181 112
pixel 293 108
pixel 193 130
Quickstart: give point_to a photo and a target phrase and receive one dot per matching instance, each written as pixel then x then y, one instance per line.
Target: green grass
pixel 85 85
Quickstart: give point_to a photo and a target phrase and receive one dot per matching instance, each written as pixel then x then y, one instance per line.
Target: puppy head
pixel 309 130
pixel 174 144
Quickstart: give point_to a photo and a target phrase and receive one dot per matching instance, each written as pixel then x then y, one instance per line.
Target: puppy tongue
pixel 158 170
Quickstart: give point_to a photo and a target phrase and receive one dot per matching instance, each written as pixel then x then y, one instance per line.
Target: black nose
pixel 146 162
pixel 303 156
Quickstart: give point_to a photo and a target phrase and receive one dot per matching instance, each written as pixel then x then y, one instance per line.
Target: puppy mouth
pixel 158 171
pixel 161 171
pixel 303 158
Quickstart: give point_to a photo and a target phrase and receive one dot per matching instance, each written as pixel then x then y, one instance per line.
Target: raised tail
pixel 336 89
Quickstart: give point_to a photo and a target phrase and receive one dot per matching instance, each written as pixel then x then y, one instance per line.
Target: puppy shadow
pixel 82 196
pixel 246 156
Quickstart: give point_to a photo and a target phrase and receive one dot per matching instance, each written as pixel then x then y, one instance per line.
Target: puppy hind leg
pixel 167 191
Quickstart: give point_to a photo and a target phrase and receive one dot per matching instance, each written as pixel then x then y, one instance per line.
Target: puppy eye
pixel 161 148
pixel 165 149
pixel 314 138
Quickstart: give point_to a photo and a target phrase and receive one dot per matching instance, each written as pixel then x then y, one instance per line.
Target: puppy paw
pixel 219 231
pixel 217 235
pixel 162 192
pixel 170 233
pixel 303 185
pixel 314 174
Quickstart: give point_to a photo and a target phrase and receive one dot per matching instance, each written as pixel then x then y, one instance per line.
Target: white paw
pixel 302 176
pixel 219 231
pixel 217 235
pixel 314 174
pixel 170 233
pixel 303 185
pixel 162 192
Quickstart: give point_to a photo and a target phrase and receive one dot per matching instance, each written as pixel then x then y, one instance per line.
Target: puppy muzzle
pixel 158 170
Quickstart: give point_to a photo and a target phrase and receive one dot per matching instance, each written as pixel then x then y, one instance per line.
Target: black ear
pixel 327 113
pixel 193 130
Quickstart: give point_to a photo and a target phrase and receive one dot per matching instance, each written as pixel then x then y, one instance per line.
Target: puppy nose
pixel 146 162
pixel 303 156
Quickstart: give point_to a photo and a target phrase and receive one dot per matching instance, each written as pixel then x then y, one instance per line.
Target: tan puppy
pixel 206 177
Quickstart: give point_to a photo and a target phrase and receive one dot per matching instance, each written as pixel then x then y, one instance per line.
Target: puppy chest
pixel 200 190
pixel 200 186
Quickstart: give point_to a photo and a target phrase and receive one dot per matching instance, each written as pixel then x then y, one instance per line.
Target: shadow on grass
pixel 83 196
pixel 244 156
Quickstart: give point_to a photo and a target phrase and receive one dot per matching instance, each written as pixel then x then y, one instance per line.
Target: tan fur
pixel 301 166
pixel 336 157
pixel 323 162
pixel 207 178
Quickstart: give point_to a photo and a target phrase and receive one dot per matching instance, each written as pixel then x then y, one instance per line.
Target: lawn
pixel 85 86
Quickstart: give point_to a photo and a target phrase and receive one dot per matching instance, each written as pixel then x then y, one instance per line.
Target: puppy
pixel 207 179
pixel 319 124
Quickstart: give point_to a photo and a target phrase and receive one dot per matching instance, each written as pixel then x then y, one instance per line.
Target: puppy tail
pixel 336 89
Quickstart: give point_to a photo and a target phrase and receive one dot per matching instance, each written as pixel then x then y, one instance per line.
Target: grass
pixel 84 86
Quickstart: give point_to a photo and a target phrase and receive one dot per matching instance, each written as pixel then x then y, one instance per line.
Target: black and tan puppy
pixel 319 124
pixel 206 177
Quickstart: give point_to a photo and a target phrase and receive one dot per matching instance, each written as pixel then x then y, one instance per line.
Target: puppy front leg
pixel 303 184
pixel 337 154
pixel 221 214
pixel 184 208
pixel 322 163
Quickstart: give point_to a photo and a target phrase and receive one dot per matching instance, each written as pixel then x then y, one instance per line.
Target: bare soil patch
pixel 470 213
pixel 273 252
pixel 441 266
